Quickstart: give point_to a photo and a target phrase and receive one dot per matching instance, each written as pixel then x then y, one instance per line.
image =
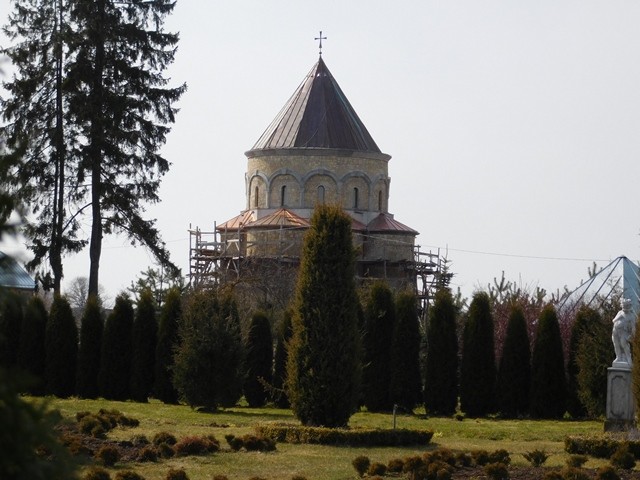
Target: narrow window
pixel 255 198
pixel 321 194
pixel 380 200
pixel 283 191
pixel 355 197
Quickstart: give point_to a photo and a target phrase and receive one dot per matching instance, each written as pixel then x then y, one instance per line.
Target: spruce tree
pixel 167 342
pixel 143 347
pixel 323 366
pixel 514 371
pixel 208 360
pixel 10 324
pixel 478 368
pixel 548 384
pixel 61 349
pixel 405 388
pixel 31 352
pixel 91 330
pixel 586 318
pixel 441 369
pixel 115 359
pixel 380 324
pixel 280 361
pixel 258 360
pixel 119 97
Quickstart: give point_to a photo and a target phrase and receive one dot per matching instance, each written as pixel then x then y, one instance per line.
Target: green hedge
pixel 357 437
pixel 599 447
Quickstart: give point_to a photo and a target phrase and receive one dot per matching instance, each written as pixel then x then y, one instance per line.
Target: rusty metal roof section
pixel 387 224
pixel 318 115
pixel 237 222
pixel 280 218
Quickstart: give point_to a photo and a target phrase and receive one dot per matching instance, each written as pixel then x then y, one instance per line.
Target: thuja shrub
pixel 497 471
pixel 108 455
pixel 176 474
pixel 143 348
pixel 61 349
pixel 164 437
pixel 258 360
pixel 115 358
pixel 251 443
pixel 167 342
pixel 361 464
pixel 194 445
pixel 357 437
pixel 97 473
pixel 89 350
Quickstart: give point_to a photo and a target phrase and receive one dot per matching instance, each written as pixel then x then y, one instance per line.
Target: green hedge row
pixel 357 437
pixel 599 447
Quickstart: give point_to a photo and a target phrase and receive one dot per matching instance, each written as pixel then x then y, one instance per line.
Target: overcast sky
pixel 513 126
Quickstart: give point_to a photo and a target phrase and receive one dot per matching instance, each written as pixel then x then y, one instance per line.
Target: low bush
pixel 108 455
pixel 357 437
pixel 128 475
pixel 196 446
pixel 176 474
pixel 139 441
pixel 395 465
pixel 573 473
pixel 439 470
pixel 577 461
pixel 623 458
pixel 377 468
pixel 361 464
pixel 464 459
pixel 480 457
pixel 165 450
pixel 553 475
pixel 500 456
pixel 76 446
pixel 537 458
pixel 497 471
pixel 607 472
pixel 97 473
pixel 148 454
pixel 164 437
pixel 251 443
pixel 599 447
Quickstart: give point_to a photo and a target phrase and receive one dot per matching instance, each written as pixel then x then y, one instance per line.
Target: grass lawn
pixel 313 461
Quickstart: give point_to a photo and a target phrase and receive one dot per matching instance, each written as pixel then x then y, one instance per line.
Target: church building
pixel 316 150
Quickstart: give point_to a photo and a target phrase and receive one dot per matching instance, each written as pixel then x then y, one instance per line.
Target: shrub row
pixel 359 437
pixel 599 447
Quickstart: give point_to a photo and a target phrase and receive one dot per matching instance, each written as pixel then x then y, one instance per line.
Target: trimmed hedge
pixel 357 437
pixel 599 447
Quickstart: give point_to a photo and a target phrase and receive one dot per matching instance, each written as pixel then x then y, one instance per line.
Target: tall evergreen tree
pixel 122 104
pixel 514 371
pixel 380 324
pixel 115 358
pixel 586 318
pixel 323 366
pixel 61 349
pixel 441 369
pixel 208 360
pixel 38 134
pixel 478 368
pixel 548 384
pixel 10 324
pixel 31 353
pixel 405 388
pixel 167 342
pixel 284 333
pixel 258 360
pixel 91 330
pixel 143 347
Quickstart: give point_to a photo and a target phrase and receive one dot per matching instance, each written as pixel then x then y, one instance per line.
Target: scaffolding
pixel 216 258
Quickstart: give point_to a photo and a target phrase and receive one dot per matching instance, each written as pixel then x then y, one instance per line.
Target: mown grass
pixel 316 462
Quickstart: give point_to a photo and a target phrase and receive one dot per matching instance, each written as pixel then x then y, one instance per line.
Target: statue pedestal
pixel 620 402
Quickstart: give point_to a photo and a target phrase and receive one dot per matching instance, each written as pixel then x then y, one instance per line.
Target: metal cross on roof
pixel 320 38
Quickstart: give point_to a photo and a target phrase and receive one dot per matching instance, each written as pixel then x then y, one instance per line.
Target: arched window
pixel 320 198
pixel 283 192
pixel 355 197
pixel 256 197
pixel 379 200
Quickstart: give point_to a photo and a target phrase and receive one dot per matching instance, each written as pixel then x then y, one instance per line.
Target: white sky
pixel 513 125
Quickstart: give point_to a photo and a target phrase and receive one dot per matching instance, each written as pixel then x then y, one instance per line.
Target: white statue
pixel 624 327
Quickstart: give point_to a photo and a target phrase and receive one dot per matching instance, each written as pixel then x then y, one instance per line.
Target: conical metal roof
pixel 318 115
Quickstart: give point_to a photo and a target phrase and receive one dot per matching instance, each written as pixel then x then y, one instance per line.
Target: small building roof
pixel 386 223
pixel 239 221
pixel 318 115
pixel 280 218
pixel 12 275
